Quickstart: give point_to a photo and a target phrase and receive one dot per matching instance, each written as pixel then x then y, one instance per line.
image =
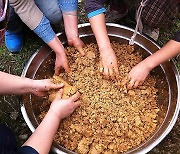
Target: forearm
pixel 41 140
pixel 56 45
pixel 11 84
pixel 70 24
pixel 95 12
pixel 99 29
pixel 44 134
pixel 46 33
pixel 69 11
pixel 170 50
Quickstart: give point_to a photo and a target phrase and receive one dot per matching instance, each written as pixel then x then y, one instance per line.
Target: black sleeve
pixel 27 150
pixel 92 5
pixel 177 37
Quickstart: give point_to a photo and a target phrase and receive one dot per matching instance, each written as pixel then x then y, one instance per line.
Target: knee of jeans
pixel 55 17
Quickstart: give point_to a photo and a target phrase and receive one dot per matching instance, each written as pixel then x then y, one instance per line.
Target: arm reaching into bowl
pixel 138 73
pixel 44 134
pixel 108 61
pixel 11 84
pixel 71 31
pixel 41 22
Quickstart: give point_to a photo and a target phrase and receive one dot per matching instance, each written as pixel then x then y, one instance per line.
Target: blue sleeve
pixel 94 7
pixel 27 150
pixel 68 5
pixel 44 30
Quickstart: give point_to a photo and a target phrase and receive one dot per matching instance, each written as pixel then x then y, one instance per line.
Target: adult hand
pixel 136 76
pixel 64 107
pixel 108 64
pixel 39 87
pixel 61 61
pixel 77 43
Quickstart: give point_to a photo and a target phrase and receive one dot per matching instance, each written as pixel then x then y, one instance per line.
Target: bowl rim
pixel 177 76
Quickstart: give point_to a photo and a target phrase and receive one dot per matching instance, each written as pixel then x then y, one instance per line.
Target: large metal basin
pixel 41 66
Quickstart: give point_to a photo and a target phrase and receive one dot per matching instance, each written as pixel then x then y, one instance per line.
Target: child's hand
pixel 137 75
pixel 61 61
pixel 40 86
pixel 64 107
pixel 108 64
pixel 77 43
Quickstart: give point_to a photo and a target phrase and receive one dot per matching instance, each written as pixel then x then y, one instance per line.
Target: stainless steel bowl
pixel 41 66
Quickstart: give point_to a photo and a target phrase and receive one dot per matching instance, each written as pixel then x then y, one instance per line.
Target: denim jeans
pixel 50 9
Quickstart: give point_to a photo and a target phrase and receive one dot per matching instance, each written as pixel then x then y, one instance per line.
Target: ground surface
pixel 13 63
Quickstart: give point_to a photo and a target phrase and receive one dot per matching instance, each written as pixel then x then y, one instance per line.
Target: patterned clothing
pixel 159 13
pixel 44 30
pixel 177 37
pixel 68 5
pixel 156 14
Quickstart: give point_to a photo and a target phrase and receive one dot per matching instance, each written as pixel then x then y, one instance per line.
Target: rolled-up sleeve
pixel 94 7
pixel 44 30
pixel 68 5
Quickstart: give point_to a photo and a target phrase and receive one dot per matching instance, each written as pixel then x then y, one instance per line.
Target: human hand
pixel 64 107
pixel 77 43
pixel 40 86
pixel 136 76
pixel 108 64
pixel 61 61
pixel 71 31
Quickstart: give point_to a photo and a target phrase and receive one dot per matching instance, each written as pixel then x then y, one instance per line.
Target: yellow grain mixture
pixel 111 118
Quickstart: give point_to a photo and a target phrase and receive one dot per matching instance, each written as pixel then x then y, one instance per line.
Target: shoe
pixel 153 33
pixel 116 11
pixel 14 41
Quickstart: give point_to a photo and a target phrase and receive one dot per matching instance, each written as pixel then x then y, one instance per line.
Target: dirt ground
pixel 10 113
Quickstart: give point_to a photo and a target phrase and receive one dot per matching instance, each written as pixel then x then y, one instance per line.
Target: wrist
pixel 72 35
pixel 29 85
pixel 148 64
pixel 33 86
pixel 72 38
pixel 71 30
pixel 70 13
pixel 105 48
pixel 56 45
pixel 54 114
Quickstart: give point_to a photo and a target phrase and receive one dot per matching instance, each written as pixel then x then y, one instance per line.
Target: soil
pixel 111 117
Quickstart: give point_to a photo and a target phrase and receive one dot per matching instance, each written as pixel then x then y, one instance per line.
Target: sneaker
pixel 14 41
pixel 153 33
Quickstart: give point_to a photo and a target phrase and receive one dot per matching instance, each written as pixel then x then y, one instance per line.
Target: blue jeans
pixel 50 9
